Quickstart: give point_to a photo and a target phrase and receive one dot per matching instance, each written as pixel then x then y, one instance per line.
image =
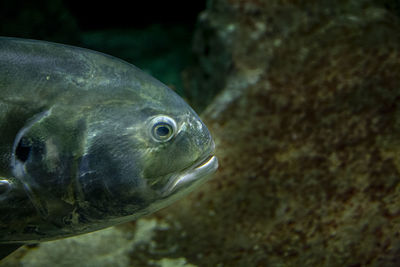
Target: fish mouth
pixel 195 175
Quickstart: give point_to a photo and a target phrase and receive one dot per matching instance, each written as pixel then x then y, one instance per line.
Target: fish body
pixel 89 141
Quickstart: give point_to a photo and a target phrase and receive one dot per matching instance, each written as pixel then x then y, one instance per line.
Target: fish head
pixel 142 158
pixel 114 160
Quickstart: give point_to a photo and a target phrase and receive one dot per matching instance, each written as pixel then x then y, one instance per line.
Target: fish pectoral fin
pixel 7 249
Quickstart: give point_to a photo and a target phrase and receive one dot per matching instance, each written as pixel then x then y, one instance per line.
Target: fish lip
pixel 196 174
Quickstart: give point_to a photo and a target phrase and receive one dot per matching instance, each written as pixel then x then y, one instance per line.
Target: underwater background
pixel 302 99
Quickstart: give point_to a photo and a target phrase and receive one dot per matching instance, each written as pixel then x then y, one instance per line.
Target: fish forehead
pixel 59 72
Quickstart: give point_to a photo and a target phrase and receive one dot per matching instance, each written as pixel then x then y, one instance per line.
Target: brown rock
pixel 308 137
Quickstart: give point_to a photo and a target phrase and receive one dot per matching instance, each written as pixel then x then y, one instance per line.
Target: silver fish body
pixel 89 141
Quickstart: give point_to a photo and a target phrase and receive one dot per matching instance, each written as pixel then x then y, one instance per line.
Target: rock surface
pixel 307 128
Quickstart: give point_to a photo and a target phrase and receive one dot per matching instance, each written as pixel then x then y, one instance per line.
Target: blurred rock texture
pixel 308 135
pixel 307 127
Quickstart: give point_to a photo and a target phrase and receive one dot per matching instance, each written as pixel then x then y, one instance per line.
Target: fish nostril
pixel 23 150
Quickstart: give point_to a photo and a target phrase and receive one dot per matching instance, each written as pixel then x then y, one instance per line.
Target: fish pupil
pixel 163 131
pixel 23 150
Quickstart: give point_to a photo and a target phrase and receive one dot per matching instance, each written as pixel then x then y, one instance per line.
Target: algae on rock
pixel 307 135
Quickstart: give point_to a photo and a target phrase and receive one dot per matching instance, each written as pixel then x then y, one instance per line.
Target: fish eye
pixel 163 128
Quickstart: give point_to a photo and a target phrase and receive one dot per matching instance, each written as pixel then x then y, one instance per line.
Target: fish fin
pixel 6 249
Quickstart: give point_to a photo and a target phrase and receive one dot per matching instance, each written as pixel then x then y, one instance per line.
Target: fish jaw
pixel 187 180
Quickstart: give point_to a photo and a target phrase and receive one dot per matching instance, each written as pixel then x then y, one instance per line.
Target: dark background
pixel 153 35
pixel 128 14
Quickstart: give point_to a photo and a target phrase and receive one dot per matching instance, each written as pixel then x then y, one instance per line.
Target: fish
pixel 89 141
